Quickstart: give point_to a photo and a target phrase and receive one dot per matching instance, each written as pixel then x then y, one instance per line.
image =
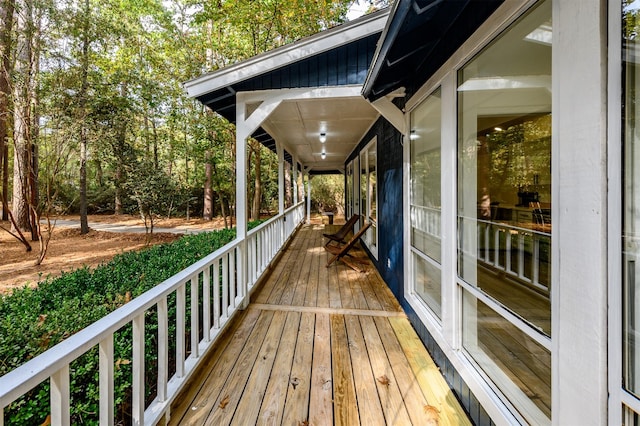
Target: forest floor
pixel 68 250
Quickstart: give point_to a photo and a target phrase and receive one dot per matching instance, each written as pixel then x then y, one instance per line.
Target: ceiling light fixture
pixel 323 154
pixel 323 137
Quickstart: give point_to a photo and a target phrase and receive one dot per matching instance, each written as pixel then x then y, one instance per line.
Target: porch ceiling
pixel 298 124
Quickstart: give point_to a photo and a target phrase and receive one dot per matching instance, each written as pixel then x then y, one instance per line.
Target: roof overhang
pixel 335 58
pixel 420 35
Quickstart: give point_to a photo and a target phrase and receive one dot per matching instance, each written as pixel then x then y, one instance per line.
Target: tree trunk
pixel 82 103
pixel 6 14
pixel 207 213
pixel 22 119
pixel 119 151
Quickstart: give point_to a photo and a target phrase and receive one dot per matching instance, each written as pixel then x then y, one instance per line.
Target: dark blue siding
pixel 347 64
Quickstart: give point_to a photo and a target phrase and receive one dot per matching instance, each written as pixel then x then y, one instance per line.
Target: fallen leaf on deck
pixel 47 421
pixel 384 380
pixel 224 402
pixel 432 415
pixel 303 423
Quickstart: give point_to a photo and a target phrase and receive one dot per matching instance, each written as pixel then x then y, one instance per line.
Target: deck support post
pixel 308 198
pixel 246 124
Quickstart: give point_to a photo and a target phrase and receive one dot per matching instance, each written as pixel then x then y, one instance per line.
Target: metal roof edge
pixel 399 9
pixel 287 54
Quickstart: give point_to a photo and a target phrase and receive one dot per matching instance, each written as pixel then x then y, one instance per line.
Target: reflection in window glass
pixel 631 209
pixel 519 366
pixel 425 148
pixel 504 209
pixel 504 169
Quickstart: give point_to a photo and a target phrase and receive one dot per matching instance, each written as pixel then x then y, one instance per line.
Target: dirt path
pixel 69 250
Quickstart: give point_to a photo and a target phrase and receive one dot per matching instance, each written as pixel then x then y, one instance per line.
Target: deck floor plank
pixel 345 409
pixel 323 282
pixel 220 360
pixel 369 406
pixel 305 259
pixel 254 393
pixel 391 399
pixel 296 409
pixel 410 390
pixel 321 396
pixel 272 407
pixel 438 394
pixel 311 295
pixel 228 398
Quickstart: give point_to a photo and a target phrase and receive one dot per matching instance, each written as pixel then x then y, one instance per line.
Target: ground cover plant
pixel 34 319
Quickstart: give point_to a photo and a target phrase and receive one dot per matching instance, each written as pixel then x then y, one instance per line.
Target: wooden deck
pixel 318 346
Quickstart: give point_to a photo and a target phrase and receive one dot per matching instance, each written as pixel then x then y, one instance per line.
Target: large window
pixel 425 149
pixel 368 194
pixel 504 211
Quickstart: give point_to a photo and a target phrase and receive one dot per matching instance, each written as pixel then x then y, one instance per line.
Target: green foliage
pixel 33 320
pixel 327 191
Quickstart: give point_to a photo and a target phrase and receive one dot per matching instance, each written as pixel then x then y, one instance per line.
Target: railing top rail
pixel 293 207
pixel 265 224
pixel 273 219
pixel 507 226
pixel 27 376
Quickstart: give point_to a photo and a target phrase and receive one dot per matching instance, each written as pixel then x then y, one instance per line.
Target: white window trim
pixel 618 396
pixel 365 210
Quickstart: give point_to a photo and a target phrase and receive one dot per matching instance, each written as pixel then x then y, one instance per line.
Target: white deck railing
pixel 515 250
pixel 217 277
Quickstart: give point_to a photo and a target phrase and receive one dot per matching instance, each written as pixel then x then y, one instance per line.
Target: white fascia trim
pixel 288 54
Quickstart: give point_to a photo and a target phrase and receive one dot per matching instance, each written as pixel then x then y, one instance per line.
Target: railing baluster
pixel 225 285
pixel 232 278
pixel 195 326
pixel 206 304
pixel 163 349
pixel 535 265
pixel 180 329
pixel 496 246
pixel 60 396
pixel 216 294
pixel 105 350
pixel 521 255
pixel 507 252
pixel 137 391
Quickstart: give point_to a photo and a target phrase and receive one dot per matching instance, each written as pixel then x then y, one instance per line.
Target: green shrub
pixel 33 320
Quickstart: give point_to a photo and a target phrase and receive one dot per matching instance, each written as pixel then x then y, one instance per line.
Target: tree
pixel 6 14
pixel 24 172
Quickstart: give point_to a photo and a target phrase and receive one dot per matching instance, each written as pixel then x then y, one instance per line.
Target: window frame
pixel 365 210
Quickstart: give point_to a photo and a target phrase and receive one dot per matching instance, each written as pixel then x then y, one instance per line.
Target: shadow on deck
pixel 318 346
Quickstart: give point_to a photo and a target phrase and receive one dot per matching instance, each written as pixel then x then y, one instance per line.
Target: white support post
pixel 281 189
pixel 195 326
pixel 60 396
pixel 295 181
pixel 308 198
pixel 244 127
pixel 106 380
pixel 137 409
pixel 163 349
